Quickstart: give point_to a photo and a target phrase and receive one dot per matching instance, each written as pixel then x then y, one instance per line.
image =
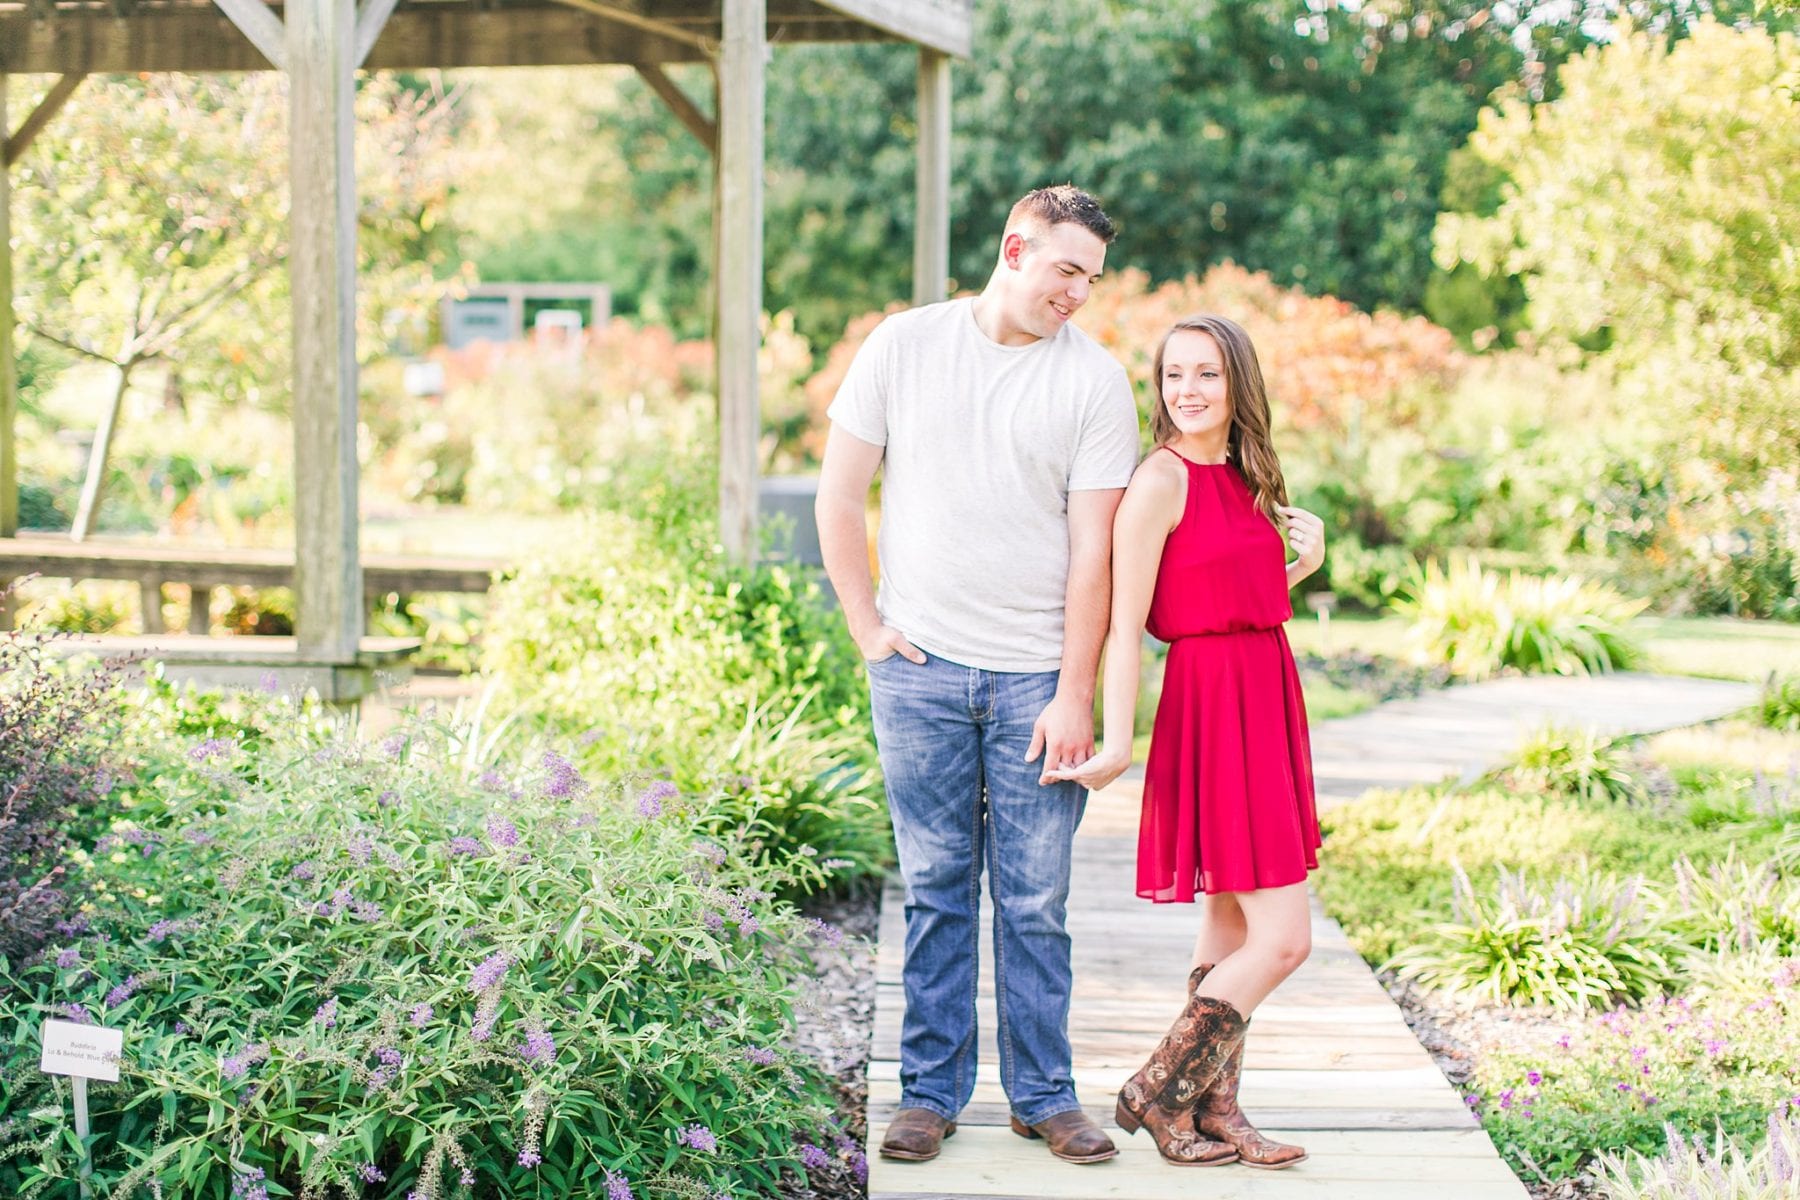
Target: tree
pixel 152 220
pixel 1651 213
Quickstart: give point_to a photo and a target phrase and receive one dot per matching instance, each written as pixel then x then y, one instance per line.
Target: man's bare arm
pixel 844 479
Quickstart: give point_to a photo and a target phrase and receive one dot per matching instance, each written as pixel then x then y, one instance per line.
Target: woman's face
pixel 1194 390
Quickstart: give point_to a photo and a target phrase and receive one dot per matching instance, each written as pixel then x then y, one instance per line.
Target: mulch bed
pixel 835 1021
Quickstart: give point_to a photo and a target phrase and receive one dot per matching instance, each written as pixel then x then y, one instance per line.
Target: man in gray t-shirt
pixel 1006 437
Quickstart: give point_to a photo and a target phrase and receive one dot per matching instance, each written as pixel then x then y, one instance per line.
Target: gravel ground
pixel 835 1020
pixel 1457 1033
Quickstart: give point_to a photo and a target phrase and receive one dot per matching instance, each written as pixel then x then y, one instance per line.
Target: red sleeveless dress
pixel 1228 787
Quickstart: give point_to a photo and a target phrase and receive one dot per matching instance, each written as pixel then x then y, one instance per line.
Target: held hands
pixel 884 641
pixel 1306 534
pixel 1064 734
pixel 1096 772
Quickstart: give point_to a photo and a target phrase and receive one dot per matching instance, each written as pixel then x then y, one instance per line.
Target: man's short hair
pixel 1062 204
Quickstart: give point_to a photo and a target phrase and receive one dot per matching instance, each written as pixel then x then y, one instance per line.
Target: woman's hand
pixel 1096 772
pixel 1306 534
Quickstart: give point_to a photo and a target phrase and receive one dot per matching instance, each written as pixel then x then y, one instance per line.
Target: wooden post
pixel 9 380
pixel 321 57
pixel 931 233
pixel 740 168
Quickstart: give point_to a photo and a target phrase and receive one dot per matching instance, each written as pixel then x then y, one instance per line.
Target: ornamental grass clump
pixel 1690 1170
pixel 1576 762
pixel 1584 943
pixel 358 970
pixel 1479 622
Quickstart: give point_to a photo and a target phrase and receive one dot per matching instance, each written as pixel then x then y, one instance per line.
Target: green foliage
pixel 1737 905
pixel 1621 1080
pixel 84 608
pixel 1725 1170
pixel 1684 289
pixel 1576 762
pixel 335 964
pixel 1586 942
pixel 1478 622
pixel 1779 706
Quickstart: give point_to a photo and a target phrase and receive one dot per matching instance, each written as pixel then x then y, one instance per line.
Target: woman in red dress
pixel 1228 813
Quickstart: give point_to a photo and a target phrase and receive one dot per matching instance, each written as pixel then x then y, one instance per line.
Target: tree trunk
pixel 89 508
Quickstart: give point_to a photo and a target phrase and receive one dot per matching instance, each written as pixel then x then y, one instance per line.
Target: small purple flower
pixel 395 745
pixel 122 992
pixel 698 1137
pixel 160 930
pixel 270 683
pixel 1534 1078
pixel 502 832
pixel 539 1046
pixel 759 1056
pixel 618 1187
pixel 465 845
pixel 235 1065
pixel 77 1014
pixel 713 921
pixel 825 931
pixel 650 803
pixel 68 958
pixel 813 1158
pixel 248 1185
pixel 421 1015
pixel 491 781
pixel 561 779
pixel 326 1014
pixel 1716 1046
pixel 211 748
pixel 1563 1042
pixel 530 1158
pixel 304 871
pixel 488 975
pixel 361 849
pixel 859 1166
pixel 1506 1099
pixel 371 1173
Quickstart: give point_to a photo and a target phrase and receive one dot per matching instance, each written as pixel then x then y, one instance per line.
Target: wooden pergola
pixel 321 44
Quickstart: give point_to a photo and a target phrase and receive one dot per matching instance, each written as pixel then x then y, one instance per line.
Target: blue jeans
pixel 952 741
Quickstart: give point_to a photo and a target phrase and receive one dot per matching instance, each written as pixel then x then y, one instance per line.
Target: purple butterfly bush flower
pixel 759 1056
pixel 234 1066
pixel 617 1186
pixel 68 958
pixel 421 1015
pixel 161 930
pixel 561 779
pixel 326 1014
pixel 813 1158
pixel 371 1173
pixel 539 1046
pixel 502 832
pixel 489 973
pixel 650 803
pixel 77 1014
pixel 699 1137
pixel 248 1185
pixel 465 845
pixel 211 748
pixel 530 1158
pixel 122 992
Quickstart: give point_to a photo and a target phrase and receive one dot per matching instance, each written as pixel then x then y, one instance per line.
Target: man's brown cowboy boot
pixel 1162 1093
pixel 1073 1137
pixel 915 1134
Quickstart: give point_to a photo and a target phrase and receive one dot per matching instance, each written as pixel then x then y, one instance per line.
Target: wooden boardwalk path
pixel 1331 1063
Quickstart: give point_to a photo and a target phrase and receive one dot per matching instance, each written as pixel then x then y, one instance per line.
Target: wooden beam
pixel 321 49
pixel 9 381
pixel 947 26
pixel 371 19
pixel 200 39
pixel 20 142
pixel 634 16
pixel 697 122
pixel 258 22
pixel 740 166
pixel 931 228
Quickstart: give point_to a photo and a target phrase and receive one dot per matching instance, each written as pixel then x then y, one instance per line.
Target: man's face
pixel 1052 276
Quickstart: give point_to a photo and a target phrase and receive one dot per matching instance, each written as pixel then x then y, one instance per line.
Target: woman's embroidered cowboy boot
pixel 1218 1116
pixel 1161 1094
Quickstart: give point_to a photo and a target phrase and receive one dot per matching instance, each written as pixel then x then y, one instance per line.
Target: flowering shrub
pixel 340 966
pixel 1613 1085
pixel 1575 762
pixel 1779 707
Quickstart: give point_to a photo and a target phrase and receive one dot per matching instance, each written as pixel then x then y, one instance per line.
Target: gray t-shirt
pixel 983 443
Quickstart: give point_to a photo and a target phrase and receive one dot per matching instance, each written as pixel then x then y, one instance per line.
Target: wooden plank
pixel 703 127
pixel 448 35
pixel 931 232
pixel 1296 1118
pixel 9 383
pixel 740 269
pixel 47 108
pixel 321 46
pixel 258 23
pixel 641 17
pixel 947 26
pixel 371 19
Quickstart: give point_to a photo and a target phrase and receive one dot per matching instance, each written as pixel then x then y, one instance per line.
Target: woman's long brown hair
pixel 1248 446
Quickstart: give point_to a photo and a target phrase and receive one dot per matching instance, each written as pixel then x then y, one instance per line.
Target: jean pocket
pixel 876 662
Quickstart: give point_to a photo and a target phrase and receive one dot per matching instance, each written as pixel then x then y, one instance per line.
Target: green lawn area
pixel 1715 647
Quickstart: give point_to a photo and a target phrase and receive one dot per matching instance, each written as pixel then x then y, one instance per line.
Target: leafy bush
pixel 53 774
pixel 91 607
pixel 1779 707
pixel 1619 1080
pixel 338 965
pixel 1584 943
pixel 1575 762
pixel 1478 622
pixel 1689 1171
pixel 1737 905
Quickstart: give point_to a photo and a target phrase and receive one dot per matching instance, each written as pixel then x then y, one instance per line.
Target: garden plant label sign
pixel 85 1051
